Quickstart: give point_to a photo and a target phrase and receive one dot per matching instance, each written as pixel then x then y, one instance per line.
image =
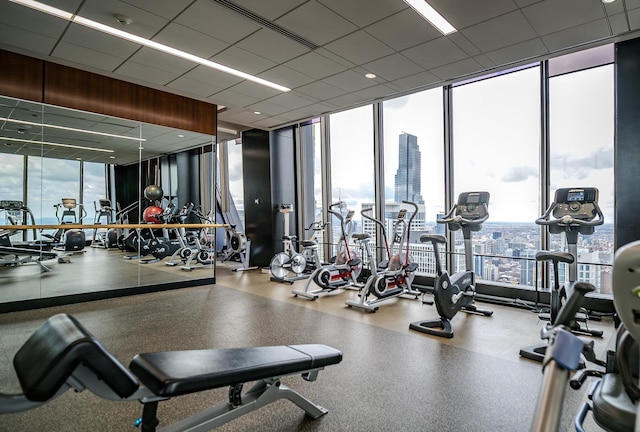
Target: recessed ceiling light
pixel 608 1
pixel 180 136
pixel 123 19
pixel 370 75
pixel 140 148
pixel 257 112
pixel 112 157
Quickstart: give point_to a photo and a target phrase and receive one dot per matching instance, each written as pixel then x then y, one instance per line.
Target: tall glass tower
pixel 407 178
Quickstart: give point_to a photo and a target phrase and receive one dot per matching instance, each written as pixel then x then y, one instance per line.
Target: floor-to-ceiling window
pixel 581 129
pixel 352 167
pixel 413 132
pixel 496 148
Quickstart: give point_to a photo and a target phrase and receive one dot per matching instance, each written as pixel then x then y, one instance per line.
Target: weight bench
pixel 63 355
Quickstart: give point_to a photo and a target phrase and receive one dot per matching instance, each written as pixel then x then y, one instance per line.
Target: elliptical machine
pixel 574 211
pixel 343 272
pixel 456 292
pixel 392 277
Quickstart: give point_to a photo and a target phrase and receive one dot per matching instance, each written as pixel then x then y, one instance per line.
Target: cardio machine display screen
pixel 573 196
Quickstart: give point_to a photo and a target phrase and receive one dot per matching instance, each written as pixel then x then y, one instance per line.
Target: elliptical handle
pixel 573 303
pixel 415 209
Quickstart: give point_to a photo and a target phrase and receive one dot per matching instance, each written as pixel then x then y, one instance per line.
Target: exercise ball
pixel 149 214
pixel 153 193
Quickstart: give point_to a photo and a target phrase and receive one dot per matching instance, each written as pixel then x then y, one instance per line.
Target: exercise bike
pixel 343 272
pixel 392 277
pixel 574 211
pixel 64 239
pixel 289 265
pixel 614 398
pixel 456 292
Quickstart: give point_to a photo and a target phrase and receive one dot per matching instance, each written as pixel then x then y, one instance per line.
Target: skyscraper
pixel 407 178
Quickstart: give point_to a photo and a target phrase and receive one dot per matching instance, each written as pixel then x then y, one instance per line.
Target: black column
pixel 627 142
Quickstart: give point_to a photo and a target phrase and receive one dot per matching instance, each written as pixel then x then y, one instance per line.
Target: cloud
pixel 519 174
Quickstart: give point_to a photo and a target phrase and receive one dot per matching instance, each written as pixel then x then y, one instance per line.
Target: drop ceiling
pixel 321 49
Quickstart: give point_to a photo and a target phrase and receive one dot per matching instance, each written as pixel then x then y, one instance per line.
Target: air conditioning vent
pixel 266 23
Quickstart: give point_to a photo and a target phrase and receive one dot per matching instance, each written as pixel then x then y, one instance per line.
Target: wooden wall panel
pixel 74 88
pixel 21 76
pixel 36 80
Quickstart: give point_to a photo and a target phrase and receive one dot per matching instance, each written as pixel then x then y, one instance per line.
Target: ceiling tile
pixel 359 47
pixel 256 90
pixel 463 43
pixel 516 52
pixel 346 100
pixel 291 101
pixel 457 69
pixel 88 57
pixel 145 73
pixel 403 30
pixel 243 60
pixel 419 80
pixel 393 67
pixel 485 61
pixel 375 92
pixel 315 65
pixel 12 37
pixel 189 40
pixel 632 4
pixel 500 32
pixel 166 9
pixel 82 36
pixel 144 24
pixel 268 108
pixel 233 99
pixel 464 13
pixel 349 81
pixel 198 89
pixel 271 122
pixel 435 53
pixel 574 36
pixel 364 12
pixel 634 19
pixel 159 60
pixel 13 14
pixel 272 45
pixel 286 77
pixel 552 16
pixel 316 23
pixel 319 90
pixel 213 76
pixel 271 9
pixel 217 21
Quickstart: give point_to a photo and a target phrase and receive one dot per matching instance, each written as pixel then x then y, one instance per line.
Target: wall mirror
pixel 63 166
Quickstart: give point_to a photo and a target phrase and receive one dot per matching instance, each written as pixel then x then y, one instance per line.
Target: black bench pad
pixel 564 257
pixel 51 355
pixel 176 373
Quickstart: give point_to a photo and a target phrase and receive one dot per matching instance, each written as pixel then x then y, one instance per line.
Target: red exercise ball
pixel 150 213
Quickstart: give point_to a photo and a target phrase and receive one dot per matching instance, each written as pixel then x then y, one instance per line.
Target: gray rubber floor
pixel 390 379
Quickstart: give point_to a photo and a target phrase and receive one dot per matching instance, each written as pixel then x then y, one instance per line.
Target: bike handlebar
pixel 570 308
pixel 568 220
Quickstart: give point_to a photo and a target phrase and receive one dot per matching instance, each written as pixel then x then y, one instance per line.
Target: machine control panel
pixel 579 203
pixel 11 205
pixel 472 205
pixel 402 214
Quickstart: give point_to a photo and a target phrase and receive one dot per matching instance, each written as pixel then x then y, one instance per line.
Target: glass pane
pixel 581 125
pixel 496 141
pixel 352 178
pixel 236 182
pixel 11 191
pixel 414 166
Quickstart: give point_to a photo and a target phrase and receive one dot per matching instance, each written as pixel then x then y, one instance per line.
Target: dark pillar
pixel 269 180
pixel 627 142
